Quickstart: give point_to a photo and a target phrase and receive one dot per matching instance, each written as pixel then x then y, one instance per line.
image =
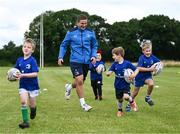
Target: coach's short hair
pixel 81 17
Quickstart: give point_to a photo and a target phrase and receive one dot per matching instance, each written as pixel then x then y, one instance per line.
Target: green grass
pixel 56 115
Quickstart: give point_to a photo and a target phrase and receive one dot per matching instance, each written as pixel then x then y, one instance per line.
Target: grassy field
pixel 57 115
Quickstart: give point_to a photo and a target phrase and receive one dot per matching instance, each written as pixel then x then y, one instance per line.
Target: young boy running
pixel 122 88
pixel 28 82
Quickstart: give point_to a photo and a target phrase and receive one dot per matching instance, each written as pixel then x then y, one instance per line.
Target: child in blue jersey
pixel 146 67
pixel 28 82
pixel 96 78
pixel 122 88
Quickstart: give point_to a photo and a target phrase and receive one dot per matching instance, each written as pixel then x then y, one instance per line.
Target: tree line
pixel 161 30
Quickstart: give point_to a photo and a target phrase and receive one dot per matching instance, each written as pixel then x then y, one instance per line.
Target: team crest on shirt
pixel 88 35
pixel 28 66
pixel 75 36
pixel 151 61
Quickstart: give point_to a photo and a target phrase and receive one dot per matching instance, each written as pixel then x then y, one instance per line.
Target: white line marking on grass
pixel 45 89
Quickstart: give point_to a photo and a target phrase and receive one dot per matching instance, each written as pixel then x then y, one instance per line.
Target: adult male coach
pixel 83 45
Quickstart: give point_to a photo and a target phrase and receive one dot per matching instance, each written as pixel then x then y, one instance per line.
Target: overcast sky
pixel 16 15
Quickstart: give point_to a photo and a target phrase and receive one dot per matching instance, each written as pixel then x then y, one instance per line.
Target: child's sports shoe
pixel 68 88
pixel 24 125
pixel 119 113
pixel 33 113
pixel 86 107
pixel 149 101
pixel 134 106
pixel 128 108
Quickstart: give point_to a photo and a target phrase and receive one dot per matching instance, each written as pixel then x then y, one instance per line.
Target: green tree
pixel 9 54
pixel 164 34
pixel 56 24
pixel 125 34
pixel 161 30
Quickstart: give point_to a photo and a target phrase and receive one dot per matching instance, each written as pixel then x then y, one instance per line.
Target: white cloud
pixel 16 15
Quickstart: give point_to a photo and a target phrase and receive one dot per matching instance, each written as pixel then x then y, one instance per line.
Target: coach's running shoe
pixel 24 125
pixel 134 106
pixel 33 112
pixel 68 88
pixel 119 114
pixel 86 107
pixel 128 108
pixel 149 101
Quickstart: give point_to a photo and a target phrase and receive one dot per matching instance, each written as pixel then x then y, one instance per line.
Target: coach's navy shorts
pixel 79 69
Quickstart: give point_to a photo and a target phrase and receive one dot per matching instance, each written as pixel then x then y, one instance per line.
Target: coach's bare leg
pixel 80 92
pixel 79 86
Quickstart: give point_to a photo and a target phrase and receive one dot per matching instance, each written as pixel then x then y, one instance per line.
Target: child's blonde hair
pixel 146 44
pixel 118 51
pixel 31 41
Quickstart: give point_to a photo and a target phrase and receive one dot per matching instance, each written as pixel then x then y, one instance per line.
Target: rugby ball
pixel 158 68
pixel 12 74
pixel 100 69
pixel 127 73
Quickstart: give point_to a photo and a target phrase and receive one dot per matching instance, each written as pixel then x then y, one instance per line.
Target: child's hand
pixel 60 62
pixel 18 76
pixel 152 68
pixel 132 76
pixel 93 60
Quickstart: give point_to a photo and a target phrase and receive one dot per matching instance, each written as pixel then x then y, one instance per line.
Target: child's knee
pixel 23 103
pixel 126 97
pixel 151 85
pixel 79 82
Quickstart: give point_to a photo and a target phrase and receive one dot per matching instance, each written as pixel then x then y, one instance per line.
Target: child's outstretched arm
pixel 143 69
